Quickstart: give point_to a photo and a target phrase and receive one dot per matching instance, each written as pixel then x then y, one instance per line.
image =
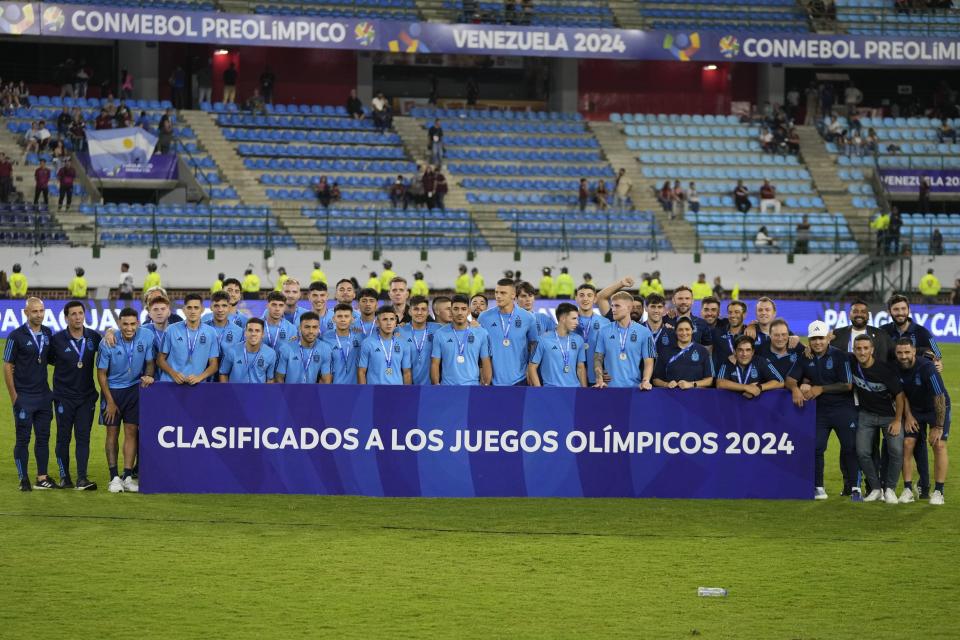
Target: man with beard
pixel 478 304
pixel 683 304
pixel 604 296
pixel 779 355
pixel 625 349
pixel 723 341
pixel 710 313
pixel 903 326
pixel 859 316
pixel 766 311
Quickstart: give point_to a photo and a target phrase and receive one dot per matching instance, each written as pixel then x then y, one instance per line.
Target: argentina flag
pixel 112 149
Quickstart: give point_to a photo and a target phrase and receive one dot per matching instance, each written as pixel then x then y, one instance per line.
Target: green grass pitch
pixel 96 565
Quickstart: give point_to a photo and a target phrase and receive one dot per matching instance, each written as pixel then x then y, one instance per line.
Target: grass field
pixel 97 565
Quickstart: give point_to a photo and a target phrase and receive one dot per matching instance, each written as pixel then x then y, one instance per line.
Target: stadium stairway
pixel 823 170
pixel 680 233
pixel 250 191
pixel 627 14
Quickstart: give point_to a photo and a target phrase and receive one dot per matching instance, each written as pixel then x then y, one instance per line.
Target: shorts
pixel 128 407
pixel 926 420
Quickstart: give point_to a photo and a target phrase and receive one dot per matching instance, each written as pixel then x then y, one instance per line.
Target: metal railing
pixel 740 235
pixel 24 225
pixel 566 230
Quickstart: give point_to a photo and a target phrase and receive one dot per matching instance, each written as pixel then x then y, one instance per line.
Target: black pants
pixel 74 417
pixel 846 434
pixel 65 192
pixel 32 415
pixel 45 192
pixel 743 205
pixel 6 188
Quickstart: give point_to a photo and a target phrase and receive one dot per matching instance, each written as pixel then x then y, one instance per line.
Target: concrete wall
pixel 142 59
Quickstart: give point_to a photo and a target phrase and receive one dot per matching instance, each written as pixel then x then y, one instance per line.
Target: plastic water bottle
pixel 711 592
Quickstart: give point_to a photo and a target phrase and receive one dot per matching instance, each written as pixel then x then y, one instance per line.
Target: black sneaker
pixel 85 485
pixel 25 485
pixel 46 483
pixel 845 492
pixel 925 494
pixel 66 483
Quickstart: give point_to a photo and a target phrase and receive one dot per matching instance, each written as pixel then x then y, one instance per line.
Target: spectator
pixel 880 225
pixel 354 106
pixel 600 195
pixel 81 81
pixel 936 243
pixel 764 242
pixel 793 141
pixel 267 82
pixel 955 296
pixel 693 198
pixel 826 98
pixel 31 140
pixel 872 143
pixel 768 198
pixel 802 244
pixel 230 84
pixel 126 84
pixel 834 129
pixel 143 121
pixel 766 141
pixel 435 143
pixel 63 122
pixel 66 176
pixel 811 93
pixel 324 192
pixel 622 189
pixel 256 104
pixel 583 194
pixel 335 194
pixel 442 189
pixel 893 232
pixel 856 145
pixel 6 178
pixel 430 187
pixel 946 131
pixel 398 192
pixel 122 115
pixel 741 197
pixel 78 132
pixel 103 121
pixel 165 136
pixel 679 201
pixel 58 153
pixel 178 84
pixel 665 196
pixel 42 184
pixel 473 92
pixel 852 97
pixel 924 194
pixel 382 117
pixel 204 84
pixel 66 75
pixel 415 189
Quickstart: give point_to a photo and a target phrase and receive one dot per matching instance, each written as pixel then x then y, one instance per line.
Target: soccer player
pixel 72 354
pixel 560 356
pixel 231 286
pixel 625 349
pixel 292 295
pixel 683 304
pixel 384 357
pixel 318 295
pixel 826 378
pixel 526 295
pixel 228 333
pixel 461 352
pixel 344 345
pixel 882 403
pixel 345 292
pixel 604 295
pixel 478 304
pixel 309 360
pixel 25 372
pixel 723 351
pixel 277 330
pixel 121 370
pixel 686 365
pixel 252 361
pixel 843 337
pixel 589 324
pixel 749 375
pixel 399 294
pixel 419 334
pixel 367 323
pixel 903 326
pixel 662 333
pixel 158 323
pixel 442 311
pixel 927 407
pixel 783 359
pixel 513 335
pixel 190 351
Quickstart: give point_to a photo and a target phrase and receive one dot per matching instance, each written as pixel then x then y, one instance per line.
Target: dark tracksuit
pixel 31 412
pixel 74 396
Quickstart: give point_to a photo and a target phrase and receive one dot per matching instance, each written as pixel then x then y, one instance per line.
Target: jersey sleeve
pixel 798 368
pixel 215 347
pixel 406 350
pixel 649 348
pixel 484 339
pixel 722 373
pixel 166 342
pixel 436 351
pixel 271 369
pixel 280 365
pixel 364 358
pixel 768 372
pixel 103 359
pixel 226 364
pixel 707 365
pixel 532 333
pixel 537 356
pixel 582 352
pixel 601 343
pixel 326 358
pixel 10 351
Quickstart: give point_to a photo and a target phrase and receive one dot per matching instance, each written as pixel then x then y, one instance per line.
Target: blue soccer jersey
pixel 293 317
pixel 459 352
pixel 588 328
pixel 759 370
pixel 624 350
pixel 305 365
pixel 239 319
pixel 241 365
pixel 73 362
pixel 510 337
pixel 159 337
pixel 125 361
pixel 689 364
pixel 228 335
pixel 383 359
pixel 328 326
pixel 188 350
pixel 28 352
pixel 546 323
pixel 830 368
pixel 420 342
pixel 279 336
pixel 922 384
pixel 664 338
pixel 345 353
pixel 558 358
pixel 702 332
pixel 785 363
pixel 921 338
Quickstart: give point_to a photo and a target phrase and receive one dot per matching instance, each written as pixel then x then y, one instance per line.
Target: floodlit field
pixel 97 565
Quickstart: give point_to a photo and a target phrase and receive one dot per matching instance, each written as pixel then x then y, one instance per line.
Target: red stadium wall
pixel 304 76
pixel 608 86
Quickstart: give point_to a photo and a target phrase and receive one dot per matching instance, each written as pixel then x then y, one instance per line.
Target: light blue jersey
pixel 420 342
pixel 624 350
pixel 294 317
pixel 239 319
pixel 558 358
pixel 158 337
pixel 243 366
pixel 459 352
pixel 364 329
pixel 588 328
pixel 328 326
pixel 227 335
pixel 189 350
pixel 124 362
pixel 279 336
pixel 305 365
pixel 345 352
pixel 546 323
pixel 384 360
pixel 510 336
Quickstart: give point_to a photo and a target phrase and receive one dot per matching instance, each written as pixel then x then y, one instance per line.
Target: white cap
pixel 818 329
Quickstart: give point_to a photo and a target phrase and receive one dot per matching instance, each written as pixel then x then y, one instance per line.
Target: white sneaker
pixel 873 496
pixel 130 485
pixel 936 498
pixel 116 485
pixel 906 496
pixel 889 496
pixel 820 493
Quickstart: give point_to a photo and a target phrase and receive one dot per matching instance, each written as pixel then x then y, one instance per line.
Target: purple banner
pixel 908 180
pixel 161 166
pixel 469 442
pixel 148 23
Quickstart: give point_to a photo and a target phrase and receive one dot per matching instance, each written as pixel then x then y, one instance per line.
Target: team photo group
pixel 879 389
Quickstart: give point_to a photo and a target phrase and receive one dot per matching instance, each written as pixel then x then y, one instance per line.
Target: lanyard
pixel 679 355
pixel 585 329
pixel 343 352
pixel 387 353
pixel 274 339
pixel 656 336
pixel 364 329
pixel 461 344
pixel 418 345
pixel 38 341
pixel 306 361
pixel 623 339
pixel 564 352
pixel 82 347
pixel 128 352
pixel 505 326
pixel 158 337
pixel 741 378
pixel 246 367
pixel 192 346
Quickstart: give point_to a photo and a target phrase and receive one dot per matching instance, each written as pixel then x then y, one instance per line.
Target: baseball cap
pixel 818 329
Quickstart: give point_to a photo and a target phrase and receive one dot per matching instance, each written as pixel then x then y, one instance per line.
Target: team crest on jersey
pixel 695 356
pixel 633 337
pixel 203 339
pixel 356 343
pixel 917 380
pixel 829 363
pixel 573 345
pixel 139 348
pixel 316 358
pixel 470 338
pixel 517 323
pixel 396 348
pixel 754 375
pixel 260 362
pixel 793 357
pixel 665 340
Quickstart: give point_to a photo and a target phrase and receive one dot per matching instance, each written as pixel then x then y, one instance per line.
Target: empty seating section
pixel 572 13
pixel 388 9
pixel 177 5
pixel 21 225
pixel 725 232
pixel 918 230
pixel 693 15
pixel 360 228
pixel 587 231
pixel 188 225
pixel 874 17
